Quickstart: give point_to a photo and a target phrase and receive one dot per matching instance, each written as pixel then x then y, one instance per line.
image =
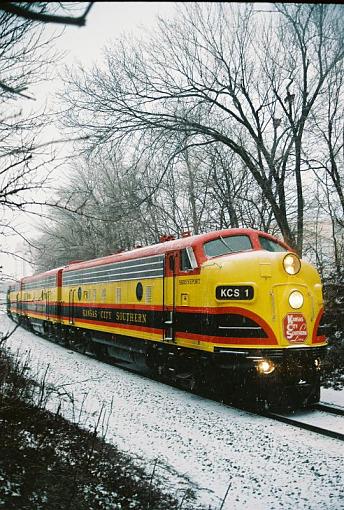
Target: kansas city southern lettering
pixel 105 314
pixel 90 314
pixel 137 318
pixel 114 316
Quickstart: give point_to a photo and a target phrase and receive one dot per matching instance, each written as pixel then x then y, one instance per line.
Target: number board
pixel 235 292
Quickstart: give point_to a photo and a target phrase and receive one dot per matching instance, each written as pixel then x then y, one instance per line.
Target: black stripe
pixel 132 317
pixel 224 325
pixel 51 309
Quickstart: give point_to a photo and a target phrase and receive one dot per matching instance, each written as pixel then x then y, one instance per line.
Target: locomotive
pixel 234 310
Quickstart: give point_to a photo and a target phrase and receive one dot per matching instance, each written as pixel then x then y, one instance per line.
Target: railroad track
pixel 304 419
pixel 323 419
pixel 330 408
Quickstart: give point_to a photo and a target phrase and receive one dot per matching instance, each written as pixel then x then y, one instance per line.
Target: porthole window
pixel 139 291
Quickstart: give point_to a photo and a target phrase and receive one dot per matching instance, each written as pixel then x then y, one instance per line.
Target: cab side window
pixel 185 263
pixel 270 245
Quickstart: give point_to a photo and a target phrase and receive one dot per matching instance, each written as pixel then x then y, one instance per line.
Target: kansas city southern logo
pixel 295 328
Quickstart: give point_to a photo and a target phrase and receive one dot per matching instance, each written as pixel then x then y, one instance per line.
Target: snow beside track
pixel 197 442
pixel 330 396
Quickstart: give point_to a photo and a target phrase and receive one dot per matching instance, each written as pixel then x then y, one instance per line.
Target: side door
pixel 171 265
pixel 47 304
pixel 71 306
pixel 18 304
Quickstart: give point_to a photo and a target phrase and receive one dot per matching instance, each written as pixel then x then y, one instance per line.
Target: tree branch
pixel 22 12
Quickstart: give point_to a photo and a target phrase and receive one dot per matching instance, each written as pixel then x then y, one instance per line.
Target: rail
pixel 307 420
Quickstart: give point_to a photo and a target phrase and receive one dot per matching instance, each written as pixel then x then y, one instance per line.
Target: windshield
pixel 270 245
pixel 225 245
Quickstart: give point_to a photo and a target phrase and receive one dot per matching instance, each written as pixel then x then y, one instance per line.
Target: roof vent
pixel 164 238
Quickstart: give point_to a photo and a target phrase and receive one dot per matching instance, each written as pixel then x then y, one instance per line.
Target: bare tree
pixel 101 214
pixel 123 206
pixel 24 55
pixel 39 11
pixel 325 158
pixel 212 76
pixel 240 202
pixel 329 134
pixel 26 162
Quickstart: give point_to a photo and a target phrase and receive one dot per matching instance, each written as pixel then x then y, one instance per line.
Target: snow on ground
pixel 330 396
pixel 198 443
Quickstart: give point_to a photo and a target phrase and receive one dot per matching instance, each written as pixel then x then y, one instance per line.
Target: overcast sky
pixel 105 22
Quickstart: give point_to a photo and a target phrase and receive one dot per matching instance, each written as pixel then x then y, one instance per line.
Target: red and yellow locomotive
pixel 234 309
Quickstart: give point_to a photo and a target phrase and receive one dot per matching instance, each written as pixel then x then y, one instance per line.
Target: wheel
pixel 80 345
pixel 99 350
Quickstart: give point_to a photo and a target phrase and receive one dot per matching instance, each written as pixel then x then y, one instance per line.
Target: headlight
pixel 296 299
pixel 291 263
pixel 265 366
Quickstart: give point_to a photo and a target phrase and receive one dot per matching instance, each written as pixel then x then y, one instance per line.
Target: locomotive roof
pixel 195 241
pixel 40 276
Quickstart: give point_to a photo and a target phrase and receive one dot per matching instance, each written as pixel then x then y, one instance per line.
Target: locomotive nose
pixel 296 299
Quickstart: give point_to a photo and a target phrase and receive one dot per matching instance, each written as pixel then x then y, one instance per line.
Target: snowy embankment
pixel 330 396
pixel 194 442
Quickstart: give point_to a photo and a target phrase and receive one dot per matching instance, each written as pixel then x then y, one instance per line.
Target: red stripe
pixel 227 340
pixel 218 310
pixel 318 339
pixel 44 302
pixel 97 306
pixel 236 311
pixel 41 276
